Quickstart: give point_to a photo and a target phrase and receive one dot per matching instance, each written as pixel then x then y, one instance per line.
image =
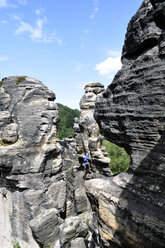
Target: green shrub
pixel 16 245
pixel 20 79
pixel 1 83
pixel 6 91
pixel 66 122
pixel 120 160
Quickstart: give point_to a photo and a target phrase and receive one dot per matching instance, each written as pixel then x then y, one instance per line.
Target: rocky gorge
pixel 48 197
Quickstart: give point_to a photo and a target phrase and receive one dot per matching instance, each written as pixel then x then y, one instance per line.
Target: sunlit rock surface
pixel 28 155
pixel 87 133
pixel 130 210
pixel 43 198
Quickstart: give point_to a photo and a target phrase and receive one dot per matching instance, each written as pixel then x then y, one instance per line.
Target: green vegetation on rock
pixel 5 91
pixel 120 160
pixel 16 245
pixel 20 79
pixel 1 83
pixel 66 122
pixel 87 221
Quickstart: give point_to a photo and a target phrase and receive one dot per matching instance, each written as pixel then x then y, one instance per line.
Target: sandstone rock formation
pixel 87 133
pixel 46 196
pixel 29 161
pixel 130 207
pixel 43 198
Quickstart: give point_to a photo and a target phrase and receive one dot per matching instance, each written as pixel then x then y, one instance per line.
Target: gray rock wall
pixel 29 161
pixel 87 134
pixel 43 198
pixel 131 113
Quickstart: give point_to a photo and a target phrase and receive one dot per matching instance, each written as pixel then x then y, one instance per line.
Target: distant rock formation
pixel 87 133
pixel 131 206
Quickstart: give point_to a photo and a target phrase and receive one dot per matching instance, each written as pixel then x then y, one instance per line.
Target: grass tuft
pixel 6 91
pixel 87 221
pixel 16 245
pixel 20 79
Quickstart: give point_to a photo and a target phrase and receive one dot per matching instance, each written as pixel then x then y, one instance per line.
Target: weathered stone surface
pixel 29 159
pixel 87 133
pixel 73 227
pixel 44 188
pixel 46 227
pixel 131 112
pixel 78 242
pixel 81 200
pixel 10 133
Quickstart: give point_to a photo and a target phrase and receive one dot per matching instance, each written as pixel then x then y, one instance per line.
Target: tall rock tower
pixel 131 113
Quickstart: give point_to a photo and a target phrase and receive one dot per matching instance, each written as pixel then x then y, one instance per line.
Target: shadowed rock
pixel 131 113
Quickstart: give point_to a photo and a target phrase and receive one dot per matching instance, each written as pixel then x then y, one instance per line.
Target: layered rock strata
pixel 87 133
pixel 130 208
pixel 29 161
pixel 43 198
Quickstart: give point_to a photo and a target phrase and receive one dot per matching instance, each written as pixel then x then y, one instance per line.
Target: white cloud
pixel 17 17
pixel 109 66
pixel 52 37
pixel 26 27
pixel 23 2
pixel 7 3
pixel 4 58
pixel 95 9
pixel 37 32
pixel 3 3
pixel 39 11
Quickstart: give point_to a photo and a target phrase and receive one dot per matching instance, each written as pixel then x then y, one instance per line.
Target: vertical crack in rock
pixel 131 113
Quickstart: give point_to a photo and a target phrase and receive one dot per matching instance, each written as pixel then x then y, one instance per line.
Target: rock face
pixel 46 196
pixel 43 198
pixel 131 113
pixel 29 161
pixel 87 133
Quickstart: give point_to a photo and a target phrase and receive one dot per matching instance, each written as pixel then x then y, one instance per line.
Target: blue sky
pixel 64 43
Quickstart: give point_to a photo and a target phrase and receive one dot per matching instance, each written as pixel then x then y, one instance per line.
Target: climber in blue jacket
pixel 85 159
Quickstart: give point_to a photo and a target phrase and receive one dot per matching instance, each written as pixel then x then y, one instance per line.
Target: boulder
pixel 73 227
pixel 78 242
pixel 46 227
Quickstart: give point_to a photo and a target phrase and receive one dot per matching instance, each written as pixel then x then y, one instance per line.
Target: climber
pixel 85 159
